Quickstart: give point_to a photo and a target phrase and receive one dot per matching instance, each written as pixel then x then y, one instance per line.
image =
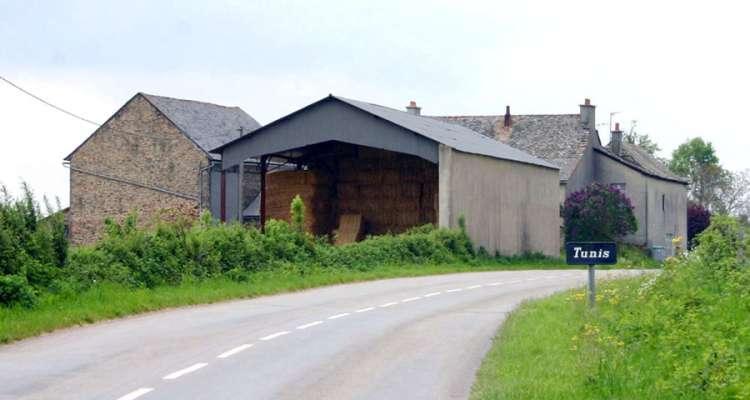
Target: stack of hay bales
pixel 313 187
pixel 392 191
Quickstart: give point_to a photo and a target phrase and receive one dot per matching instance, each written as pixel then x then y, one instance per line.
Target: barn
pixel 375 169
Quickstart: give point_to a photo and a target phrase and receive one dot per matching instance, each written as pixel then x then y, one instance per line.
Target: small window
pixel 663 202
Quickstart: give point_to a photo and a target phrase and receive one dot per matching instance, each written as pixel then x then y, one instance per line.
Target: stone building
pixel 152 156
pixel 572 142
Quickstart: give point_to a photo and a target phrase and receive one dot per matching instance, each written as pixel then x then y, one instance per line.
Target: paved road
pixel 415 338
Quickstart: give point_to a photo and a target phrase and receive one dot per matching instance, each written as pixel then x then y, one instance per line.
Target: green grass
pixel 531 358
pixel 630 346
pixel 106 300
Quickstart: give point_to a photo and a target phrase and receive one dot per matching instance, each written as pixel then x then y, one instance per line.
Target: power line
pixel 48 103
pixel 74 115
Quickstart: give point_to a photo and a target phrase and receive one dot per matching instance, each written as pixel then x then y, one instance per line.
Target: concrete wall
pixel 656 225
pixel 508 205
pixel 122 166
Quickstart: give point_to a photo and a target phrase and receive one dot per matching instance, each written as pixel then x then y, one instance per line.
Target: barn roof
pixel 452 135
pixel 638 158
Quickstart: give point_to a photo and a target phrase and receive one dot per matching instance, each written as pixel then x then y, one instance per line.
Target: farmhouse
pixel 366 169
pixel 571 142
pixel 152 155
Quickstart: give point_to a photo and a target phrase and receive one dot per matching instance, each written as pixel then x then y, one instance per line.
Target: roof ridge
pixel 189 100
pixel 501 115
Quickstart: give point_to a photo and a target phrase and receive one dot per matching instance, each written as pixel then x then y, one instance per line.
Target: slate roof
pixel 208 125
pixel 453 135
pixel 638 158
pixel 558 138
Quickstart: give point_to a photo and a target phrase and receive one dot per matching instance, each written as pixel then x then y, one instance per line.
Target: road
pixel 411 338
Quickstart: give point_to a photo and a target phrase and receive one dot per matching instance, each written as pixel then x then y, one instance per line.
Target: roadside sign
pixel 591 254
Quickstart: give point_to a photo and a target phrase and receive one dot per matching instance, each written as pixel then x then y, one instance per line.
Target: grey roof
pixel 452 135
pixel 557 138
pixel 208 125
pixel 640 159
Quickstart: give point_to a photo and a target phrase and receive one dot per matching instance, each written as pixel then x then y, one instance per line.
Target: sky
pixel 680 69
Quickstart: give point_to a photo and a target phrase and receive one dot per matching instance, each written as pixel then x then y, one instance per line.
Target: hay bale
pixel 350 229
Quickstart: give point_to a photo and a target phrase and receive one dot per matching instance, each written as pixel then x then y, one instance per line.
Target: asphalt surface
pixel 412 338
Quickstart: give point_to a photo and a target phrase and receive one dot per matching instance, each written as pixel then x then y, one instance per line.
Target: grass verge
pixel 108 300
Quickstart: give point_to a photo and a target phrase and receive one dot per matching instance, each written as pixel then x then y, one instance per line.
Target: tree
pixel 598 212
pixel 697 160
pixel 642 140
pixel 698 219
pixel 733 195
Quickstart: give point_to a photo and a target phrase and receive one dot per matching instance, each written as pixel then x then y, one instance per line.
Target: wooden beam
pixel 263 170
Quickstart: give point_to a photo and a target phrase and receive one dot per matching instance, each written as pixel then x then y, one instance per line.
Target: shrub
pixel 598 212
pixel 31 246
pixel 14 290
pixel 698 219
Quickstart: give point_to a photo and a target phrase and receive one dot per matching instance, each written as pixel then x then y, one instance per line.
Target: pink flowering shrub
pixel 598 212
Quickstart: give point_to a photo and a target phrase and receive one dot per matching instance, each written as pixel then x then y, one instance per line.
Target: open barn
pixel 365 169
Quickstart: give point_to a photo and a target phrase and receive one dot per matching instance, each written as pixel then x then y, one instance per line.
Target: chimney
pixel 506 120
pixel 413 109
pixel 615 141
pixel 588 116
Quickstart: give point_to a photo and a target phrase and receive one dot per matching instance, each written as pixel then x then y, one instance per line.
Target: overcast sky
pixel 680 69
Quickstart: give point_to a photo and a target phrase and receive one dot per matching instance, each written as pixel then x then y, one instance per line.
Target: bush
pixel 14 290
pixel 31 246
pixel 698 219
pixel 598 212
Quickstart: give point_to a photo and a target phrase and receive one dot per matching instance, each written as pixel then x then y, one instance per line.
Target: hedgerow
pixel 173 252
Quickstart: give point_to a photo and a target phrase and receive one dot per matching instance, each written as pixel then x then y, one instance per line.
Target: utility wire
pixel 74 115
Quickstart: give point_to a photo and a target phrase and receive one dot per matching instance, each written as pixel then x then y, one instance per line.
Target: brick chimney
pixel 507 121
pixel 588 116
pixel 615 141
pixel 413 109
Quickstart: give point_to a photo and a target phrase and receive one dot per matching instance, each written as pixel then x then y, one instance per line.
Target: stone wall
pixel 137 161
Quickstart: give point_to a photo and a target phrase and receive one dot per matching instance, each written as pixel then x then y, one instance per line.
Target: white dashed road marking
pixel 174 375
pixel 177 374
pixel 274 335
pixel 311 324
pixel 234 351
pixel 136 394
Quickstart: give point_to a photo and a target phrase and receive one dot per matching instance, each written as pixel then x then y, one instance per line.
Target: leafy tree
pixel 598 212
pixel 698 219
pixel 697 160
pixel 642 140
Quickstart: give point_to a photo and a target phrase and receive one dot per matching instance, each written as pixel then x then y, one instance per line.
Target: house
pixel 571 142
pixel 152 155
pixel 393 170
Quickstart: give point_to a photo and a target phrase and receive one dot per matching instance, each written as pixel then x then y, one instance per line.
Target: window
pixel 663 201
